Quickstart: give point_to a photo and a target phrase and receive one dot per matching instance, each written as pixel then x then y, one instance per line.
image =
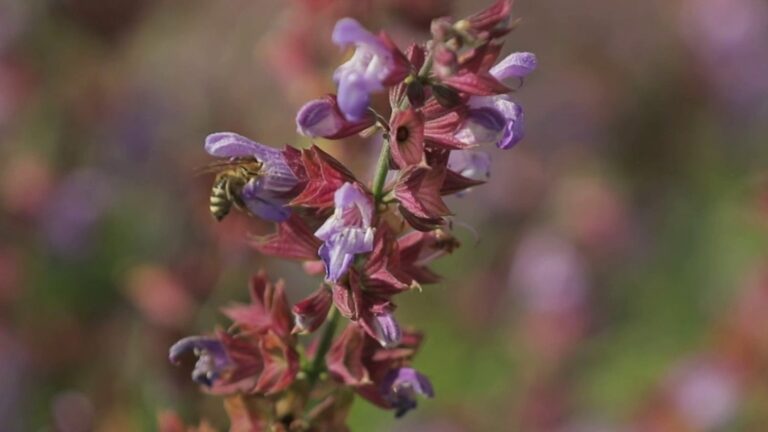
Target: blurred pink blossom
pixel 706 393
pixel 550 279
pixel 594 213
pixel 34 174
pixel 72 412
pixel 549 273
pixel 159 295
pixel 10 275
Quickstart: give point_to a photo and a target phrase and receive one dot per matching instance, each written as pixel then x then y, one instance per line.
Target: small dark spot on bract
pixel 402 134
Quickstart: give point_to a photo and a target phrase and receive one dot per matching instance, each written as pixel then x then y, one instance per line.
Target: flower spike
pixel 297 366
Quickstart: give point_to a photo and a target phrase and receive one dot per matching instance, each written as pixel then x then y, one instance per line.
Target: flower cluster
pixel 370 241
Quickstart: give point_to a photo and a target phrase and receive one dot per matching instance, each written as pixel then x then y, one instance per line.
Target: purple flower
pixel 212 361
pixel 265 195
pixel 706 392
pixel 728 38
pixel 323 118
pixel 319 118
pixel 549 273
pixel 483 125
pixel 347 232
pixel 401 386
pixel 384 329
pixel 471 164
pixel 496 119
pixel 513 129
pixel 515 65
pixel 492 120
pixel 374 64
pixel 78 204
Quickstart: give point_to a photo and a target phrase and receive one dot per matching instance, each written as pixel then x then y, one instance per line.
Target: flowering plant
pixel 370 241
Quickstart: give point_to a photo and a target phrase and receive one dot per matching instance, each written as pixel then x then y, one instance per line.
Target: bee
pixel 232 177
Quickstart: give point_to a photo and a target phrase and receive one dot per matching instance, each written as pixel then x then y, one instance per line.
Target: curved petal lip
pixel 515 65
pixel 348 31
pixel 230 144
pixel 193 342
pixel 317 118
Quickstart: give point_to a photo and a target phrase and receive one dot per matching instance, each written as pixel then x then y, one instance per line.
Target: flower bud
pixel 311 312
pixel 415 93
pixel 319 118
pixel 446 97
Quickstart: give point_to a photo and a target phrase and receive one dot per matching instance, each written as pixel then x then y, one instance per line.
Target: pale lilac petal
pixel 471 164
pixel 264 200
pixel 513 118
pixel 386 329
pixel 354 96
pixel 318 118
pixel 515 65
pixel 336 261
pixel 274 181
pixel 347 232
pixel 350 195
pixel 267 210
pixel 504 105
pixel 349 31
pixel 230 144
pixel 514 132
pixel 483 125
pixel 329 228
pixel 338 251
pixel 365 72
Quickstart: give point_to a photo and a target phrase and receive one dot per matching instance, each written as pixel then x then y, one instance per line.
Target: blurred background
pixel 614 274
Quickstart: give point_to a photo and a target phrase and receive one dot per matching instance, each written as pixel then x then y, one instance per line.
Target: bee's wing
pixel 216 167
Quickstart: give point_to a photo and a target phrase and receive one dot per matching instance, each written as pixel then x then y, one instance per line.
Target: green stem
pixel 382 168
pixel 318 363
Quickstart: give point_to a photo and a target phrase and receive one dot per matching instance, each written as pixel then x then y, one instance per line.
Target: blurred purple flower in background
pixel 75 206
pixel 729 38
pixel 549 273
pixel 550 278
pixel 706 393
pixel 135 126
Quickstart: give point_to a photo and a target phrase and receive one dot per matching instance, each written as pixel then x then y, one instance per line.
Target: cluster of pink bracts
pixel 447 97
